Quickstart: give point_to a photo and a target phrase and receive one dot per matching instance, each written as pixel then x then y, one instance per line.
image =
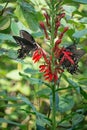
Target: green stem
pixel 53 109
pixel 52 45
pixel 52 23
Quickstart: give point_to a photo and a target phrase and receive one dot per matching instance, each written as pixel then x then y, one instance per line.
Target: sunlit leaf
pixel 4 22
pixel 79 34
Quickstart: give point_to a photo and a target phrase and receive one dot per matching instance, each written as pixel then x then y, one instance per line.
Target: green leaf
pixel 6 37
pixel 31 71
pixel 67 1
pixel 12 54
pixel 44 92
pixel 81 1
pixel 27 15
pixel 26 100
pixel 3 51
pixel 9 98
pixel 14 28
pixel 3 1
pixel 79 34
pixel 83 20
pixel 72 83
pixel 32 80
pixel 42 119
pixel 8 121
pixel 4 22
pixel 77 118
pixel 39 127
pixel 15 73
pixel 66 103
pixel 84 94
pixel 69 9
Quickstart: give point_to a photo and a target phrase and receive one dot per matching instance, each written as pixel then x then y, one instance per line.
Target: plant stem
pixel 52 45
pixel 53 109
pixel 52 23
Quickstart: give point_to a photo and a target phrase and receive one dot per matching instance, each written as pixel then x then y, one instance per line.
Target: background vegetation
pixel 23 93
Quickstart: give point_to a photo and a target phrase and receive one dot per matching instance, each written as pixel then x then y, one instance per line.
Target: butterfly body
pixel 26 43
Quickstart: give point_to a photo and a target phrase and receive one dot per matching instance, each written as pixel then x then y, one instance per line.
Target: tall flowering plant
pixel 52 66
pixel 54 60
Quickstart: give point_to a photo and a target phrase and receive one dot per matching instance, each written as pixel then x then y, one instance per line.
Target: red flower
pixel 66 56
pixel 37 55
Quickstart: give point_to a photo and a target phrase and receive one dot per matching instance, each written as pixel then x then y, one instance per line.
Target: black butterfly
pixel 76 55
pixel 26 42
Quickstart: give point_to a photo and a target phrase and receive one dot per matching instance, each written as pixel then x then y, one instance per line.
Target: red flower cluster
pixel 49 72
pixel 52 66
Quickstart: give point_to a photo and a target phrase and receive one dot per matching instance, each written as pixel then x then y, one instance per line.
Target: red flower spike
pixel 55 77
pixel 57 24
pixel 57 42
pixel 44 28
pixel 42 25
pixel 65 29
pixel 61 35
pixel 37 55
pixel 62 15
pixel 42 68
pixel 48 76
pixel 47 18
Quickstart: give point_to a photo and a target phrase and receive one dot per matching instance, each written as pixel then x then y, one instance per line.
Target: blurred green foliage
pixel 23 92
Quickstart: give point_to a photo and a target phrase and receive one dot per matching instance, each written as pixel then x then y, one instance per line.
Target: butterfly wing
pixel 76 55
pixel 24 34
pixel 25 46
